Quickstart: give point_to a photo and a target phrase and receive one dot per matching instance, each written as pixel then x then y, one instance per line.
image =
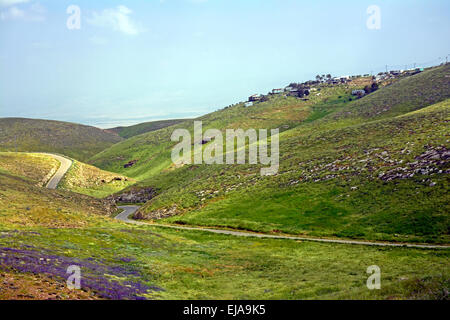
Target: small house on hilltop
pixel 275 91
pixel 255 97
pixel 293 92
pixel 358 93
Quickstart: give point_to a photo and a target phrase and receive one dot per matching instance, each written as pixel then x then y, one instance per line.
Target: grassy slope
pixel 37 287
pixel 53 229
pixel 190 265
pixel 36 167
pixel 86 179
pixel 22 203
pixel 44 231
pixel 81 178
pixel 320 132
pixel 74 140
pixel 409 94
pixel 131 131
pixel 153 149
pixel 314 197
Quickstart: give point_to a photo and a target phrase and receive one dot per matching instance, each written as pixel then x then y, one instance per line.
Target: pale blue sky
pixel 133 61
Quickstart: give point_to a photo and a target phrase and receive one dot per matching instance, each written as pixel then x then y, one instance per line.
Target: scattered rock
pixel 157 214
pixel 130 164
pixel 135 196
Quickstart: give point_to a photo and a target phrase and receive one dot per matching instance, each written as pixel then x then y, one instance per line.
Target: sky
pixel 134 61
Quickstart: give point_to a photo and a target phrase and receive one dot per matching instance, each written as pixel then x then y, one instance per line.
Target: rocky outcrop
pixel 378 164
pixel 156 214
pixel 135 196
pixel 130 164
pixel 432 161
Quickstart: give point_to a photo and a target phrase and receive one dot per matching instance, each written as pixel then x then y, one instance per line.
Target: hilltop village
pixel 363 84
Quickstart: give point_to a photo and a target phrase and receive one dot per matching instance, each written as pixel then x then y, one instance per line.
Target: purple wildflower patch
pixel 94 274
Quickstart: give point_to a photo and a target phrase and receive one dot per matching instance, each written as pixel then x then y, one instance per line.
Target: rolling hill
pixel 341 162
pixel 31 135
pixel 80 178
pixel 131 131
pixel 86 179
pixel 409 94
pixel 152 150
pixel 383 178
pixel 42 232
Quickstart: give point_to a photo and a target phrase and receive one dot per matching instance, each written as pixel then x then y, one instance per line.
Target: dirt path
pixel 65 165
pixel 129 210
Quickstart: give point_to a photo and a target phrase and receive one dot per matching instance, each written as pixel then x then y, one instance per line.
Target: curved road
pixel 65 165
pixel 127 212
pixel 130 210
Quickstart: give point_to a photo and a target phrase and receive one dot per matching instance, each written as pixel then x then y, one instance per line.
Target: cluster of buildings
pixel 304 89
pixel 396 73
pixel 287 91
pixel 359 93
pixel 338 80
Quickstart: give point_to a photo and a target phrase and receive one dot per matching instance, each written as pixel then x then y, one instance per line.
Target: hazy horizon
pixel 154 60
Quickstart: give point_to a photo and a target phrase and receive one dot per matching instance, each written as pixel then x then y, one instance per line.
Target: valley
pixel 361 182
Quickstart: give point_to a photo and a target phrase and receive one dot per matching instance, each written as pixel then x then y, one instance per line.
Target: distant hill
pixel 75 140
pixel 80 178
pixel 131 131
pixel 89 180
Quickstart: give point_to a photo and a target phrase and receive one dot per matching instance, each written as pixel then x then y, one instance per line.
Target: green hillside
pixel 382 177
pixel 153 150
pixel 31 135
pixel 45 231
pixel 409 94
pixel 131 131
pixel 86 179
pixel 39 168
pixel 81 178
pixel 369 181
pixel 341 162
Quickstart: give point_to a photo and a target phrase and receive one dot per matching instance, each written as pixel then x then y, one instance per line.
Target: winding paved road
pixel 64 167
pixel 126 213
pixel 129 210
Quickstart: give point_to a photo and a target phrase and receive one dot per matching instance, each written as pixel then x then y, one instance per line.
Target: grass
pixel 324 209
pixel 131 131
pixel 190 265
pixel 409 94
pixel 333 156
pixel 153 149
pixel 37 287
pixel 80 178
pixel 332 182
pixel 36 167
pixel 89 180
pixel 73 140
pixel 50 229
pixel 328 185
pixel 22 203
